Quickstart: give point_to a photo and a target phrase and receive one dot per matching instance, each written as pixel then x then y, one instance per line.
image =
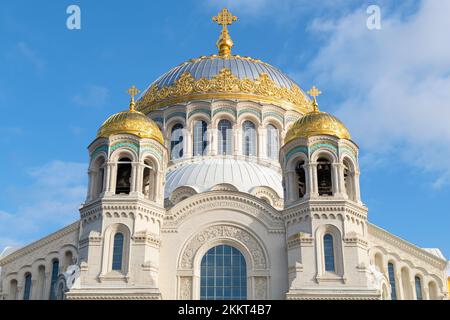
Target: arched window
pixel 418 284
pixel 432 287
pixel 13 290
pixel 391 274
pixel 301 179
pixel 147 178
pixel 99 176
pixel 117 252
pixel 225 137
pixel 328 249
pixel 176 142
pixel 272 142
pixel 27 289
pixel 349 180
pixel 406 284
pixel 55 273
pixel 223 274
pixel 199 138
pixel 68 260
pixel 123 182
pixel 249 138
pixel 40 284
pixel 324 177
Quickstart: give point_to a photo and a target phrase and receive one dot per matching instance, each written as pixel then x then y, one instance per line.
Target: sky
pixel 390 86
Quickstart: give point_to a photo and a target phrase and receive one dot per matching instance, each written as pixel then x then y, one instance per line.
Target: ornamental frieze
pixel 180 214
pixel 223 232
pixel 186 87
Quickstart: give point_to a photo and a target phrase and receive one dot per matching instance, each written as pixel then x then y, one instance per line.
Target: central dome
pixel 224 77
pixel 204 174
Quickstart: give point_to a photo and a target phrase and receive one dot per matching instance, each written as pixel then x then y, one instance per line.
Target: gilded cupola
pixel 224 76
pixel 132 122
pixel 317 123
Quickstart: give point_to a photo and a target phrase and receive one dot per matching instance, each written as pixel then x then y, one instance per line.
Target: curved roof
pixel 317 123
pixel 224 77
pixel 241 67
pixel 205 174
pixel 133 122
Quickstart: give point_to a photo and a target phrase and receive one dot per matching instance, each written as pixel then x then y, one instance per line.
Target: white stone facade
pixel 165 236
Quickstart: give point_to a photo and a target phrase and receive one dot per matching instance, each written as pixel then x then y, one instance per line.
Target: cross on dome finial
pixel 224 44
pixel 314 92
pixel 133 91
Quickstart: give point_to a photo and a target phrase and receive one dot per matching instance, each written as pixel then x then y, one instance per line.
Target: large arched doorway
pixel 223 274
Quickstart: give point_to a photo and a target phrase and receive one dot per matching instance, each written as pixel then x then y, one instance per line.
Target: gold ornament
pixel 224 44
pixel 131 122
pixel 225 85
pixel 316 123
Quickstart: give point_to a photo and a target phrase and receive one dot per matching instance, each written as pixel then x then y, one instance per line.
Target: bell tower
pixel 326 222
pixel 121 218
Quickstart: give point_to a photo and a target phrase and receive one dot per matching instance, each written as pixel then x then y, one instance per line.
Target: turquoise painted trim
pixel 205 111
pixel 128 144
pixel 255 112
pixel 300 149
pixel 322 145
pixel 176 114
pixel 227 110
pixel 98 150
pixel 348 151
pixel 275 115
pixel 153 151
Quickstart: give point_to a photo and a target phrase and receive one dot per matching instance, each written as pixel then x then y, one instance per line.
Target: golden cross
pixel 224 18
pixel 314 92
pixel 133 91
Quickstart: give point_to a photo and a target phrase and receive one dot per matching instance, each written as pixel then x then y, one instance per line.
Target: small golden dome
pixel 317 123
pixel 131 122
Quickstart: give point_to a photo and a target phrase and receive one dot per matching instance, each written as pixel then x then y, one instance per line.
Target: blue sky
pixel 390 87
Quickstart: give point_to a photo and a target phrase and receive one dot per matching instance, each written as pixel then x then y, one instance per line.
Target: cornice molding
pixel 40 243
pixel 408 247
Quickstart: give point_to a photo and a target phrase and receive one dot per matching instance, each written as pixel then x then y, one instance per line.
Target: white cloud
pixel 49 202
pixel 31 56
pixel 394 83
pixel 93 96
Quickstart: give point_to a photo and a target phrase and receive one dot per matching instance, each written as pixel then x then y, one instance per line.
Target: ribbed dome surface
pixel 205 174
pixel 132 122
pixel 317 123
pixel 208 67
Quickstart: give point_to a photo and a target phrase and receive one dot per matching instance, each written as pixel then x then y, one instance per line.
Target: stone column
pixel 261 152
pixel 336 181
pixel 425 292
pixel 91 175
pixel 214 137
pixel 111 180
pixel 188 152
pixel 399 286
pixel 357 187
pixel 312 169
pixel 139 177
pixel 307 181
pixel 342 187
pixel 237 145
pixel 47 284
pixel 290 186
pixel 133 177
pixel 211 135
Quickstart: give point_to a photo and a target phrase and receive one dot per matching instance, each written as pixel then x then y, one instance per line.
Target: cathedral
pixel 223 180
